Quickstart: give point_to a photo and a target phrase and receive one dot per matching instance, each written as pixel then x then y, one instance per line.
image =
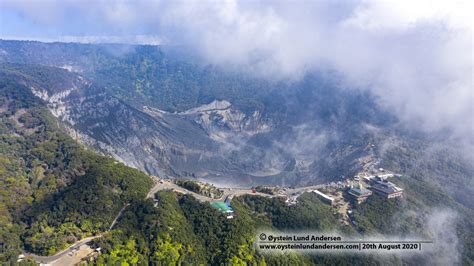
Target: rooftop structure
pixel 359 194
pixel 366 176
pixel 227 201
pixel 386 188
pixel 224 208
pixel 325 198
pixel 377 174
pixel 292 200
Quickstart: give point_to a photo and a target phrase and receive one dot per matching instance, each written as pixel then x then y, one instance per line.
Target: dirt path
pixel 118 216
pixel 81 245
pixel 63 258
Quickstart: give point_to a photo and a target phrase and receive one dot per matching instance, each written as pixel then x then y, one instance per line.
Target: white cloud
pixel 415 55
pixel 402 14
pixel 127 39
pixel 441 226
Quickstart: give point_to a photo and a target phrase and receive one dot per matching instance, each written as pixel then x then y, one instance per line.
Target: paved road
pixel 51 259
pixel 235 192
pixel 54 258
pixel 299 190
pixel 165 184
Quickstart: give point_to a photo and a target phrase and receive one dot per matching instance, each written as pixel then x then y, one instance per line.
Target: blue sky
pixel 53 20
pixel 416 56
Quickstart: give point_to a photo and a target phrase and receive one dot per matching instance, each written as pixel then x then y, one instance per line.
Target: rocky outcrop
pixel 215 141
pixel 222 121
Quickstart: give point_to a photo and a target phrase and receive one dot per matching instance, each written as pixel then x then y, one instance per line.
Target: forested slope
pixel 52 191
pixel 181 230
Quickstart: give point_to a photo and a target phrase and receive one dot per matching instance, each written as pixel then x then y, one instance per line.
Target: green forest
pixel 179 230
pixel 55 191
pixel 52 190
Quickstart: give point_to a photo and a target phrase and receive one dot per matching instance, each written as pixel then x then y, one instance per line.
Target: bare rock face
pixel 221 121
pixel 216 126
pixel 216 141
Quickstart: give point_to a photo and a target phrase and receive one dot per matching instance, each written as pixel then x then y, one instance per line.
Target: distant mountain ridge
pixel 153 111
pixel 247 141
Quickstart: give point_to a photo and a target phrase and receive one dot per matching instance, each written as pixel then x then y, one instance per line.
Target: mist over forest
pixel 109 110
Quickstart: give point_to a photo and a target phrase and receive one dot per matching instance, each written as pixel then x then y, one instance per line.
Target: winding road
pixel 65 257
pixel 79 245
pixel 51 259
pixel 167 184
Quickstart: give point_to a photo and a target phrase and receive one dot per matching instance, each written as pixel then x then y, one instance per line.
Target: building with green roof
pixel 359 194
pixel 223 208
